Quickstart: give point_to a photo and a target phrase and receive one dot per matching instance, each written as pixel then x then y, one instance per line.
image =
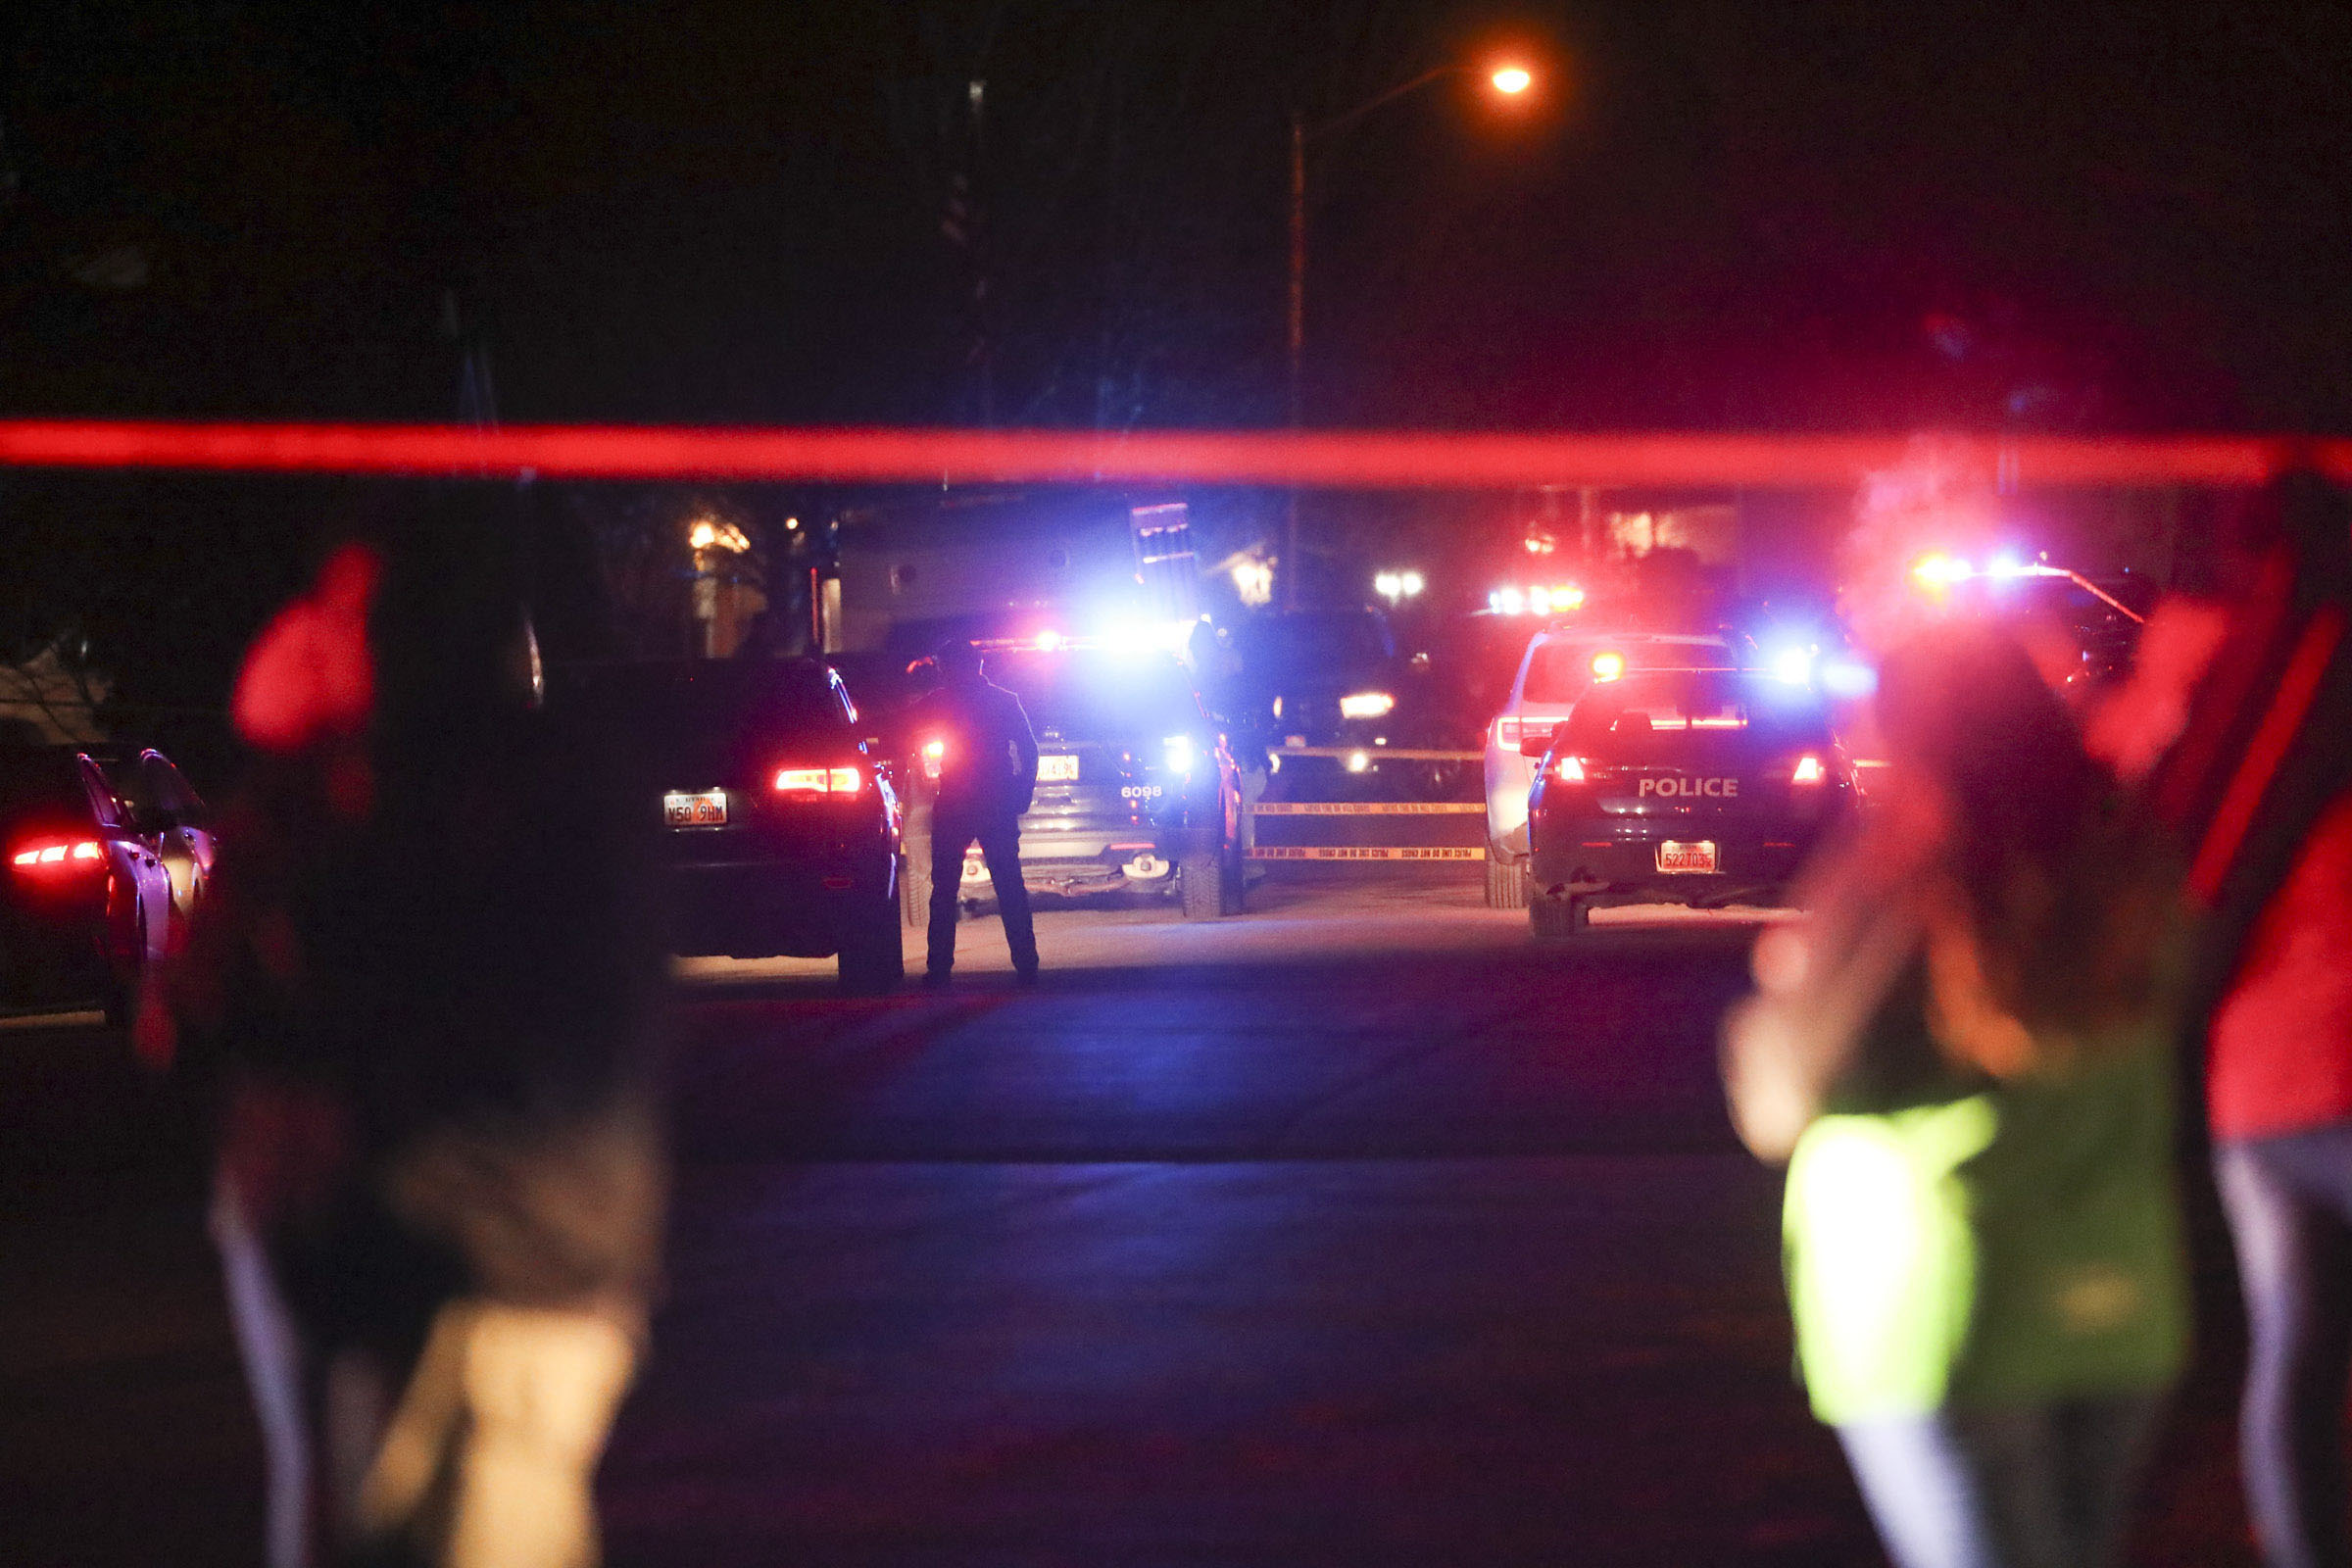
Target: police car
pixel 1137 790
pixel 1701 787
pixel 1561 663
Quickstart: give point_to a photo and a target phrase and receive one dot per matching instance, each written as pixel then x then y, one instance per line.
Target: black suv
pixel 776 831
pixel 1136 789
pixel 1700 787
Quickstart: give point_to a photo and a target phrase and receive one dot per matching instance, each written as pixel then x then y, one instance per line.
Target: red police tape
pixel 1351 460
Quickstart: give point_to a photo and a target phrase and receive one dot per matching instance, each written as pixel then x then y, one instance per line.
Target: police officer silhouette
pixel 987 774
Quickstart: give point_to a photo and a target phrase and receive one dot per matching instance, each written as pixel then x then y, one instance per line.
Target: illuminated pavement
pixel 1353 1231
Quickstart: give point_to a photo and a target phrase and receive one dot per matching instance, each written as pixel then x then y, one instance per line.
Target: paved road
pixel 1354 1231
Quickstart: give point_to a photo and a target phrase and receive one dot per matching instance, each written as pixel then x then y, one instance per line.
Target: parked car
pixel 89 903
pixel 776 827
pixel 1136 788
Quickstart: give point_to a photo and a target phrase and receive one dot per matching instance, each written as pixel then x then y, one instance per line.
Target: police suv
pixel 1702 787
pixel 1137 790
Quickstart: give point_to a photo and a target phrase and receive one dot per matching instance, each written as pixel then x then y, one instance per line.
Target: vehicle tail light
pixel 1510 728
pixel 819 781
pixel 936 752
pixel 1809 771
pixel 1569 770
pixel 59 854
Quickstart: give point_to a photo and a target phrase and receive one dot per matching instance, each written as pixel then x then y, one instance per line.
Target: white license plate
pixel 1674 855
pixel 1054 769
pixel 707 808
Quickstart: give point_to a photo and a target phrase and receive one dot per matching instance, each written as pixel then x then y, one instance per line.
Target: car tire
pixel 1200 882
pixel 1506 882
pixel 1232 886
pixel 1556 920
pixel 121 1001
pixel 873 956
pixel 914 884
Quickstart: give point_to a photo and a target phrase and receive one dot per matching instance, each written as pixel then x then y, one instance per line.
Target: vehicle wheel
pixel 1200 882
pixel 914 884
pixel 1233 884
pixel 1555 920
pixel 873 958
pixel 1506 883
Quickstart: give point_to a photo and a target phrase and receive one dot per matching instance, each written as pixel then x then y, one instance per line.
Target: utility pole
pixel 1509 80
pixel 1292 560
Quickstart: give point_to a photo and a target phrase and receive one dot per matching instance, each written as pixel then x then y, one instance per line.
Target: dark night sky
pixel 1799 214
pixel 1725 213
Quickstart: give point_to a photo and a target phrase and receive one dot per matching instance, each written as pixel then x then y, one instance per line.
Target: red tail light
pixel 55 855
pixel 818 780
pixel 1569 770
pixel 1511 729
pixel 935 752
pixel 1809 771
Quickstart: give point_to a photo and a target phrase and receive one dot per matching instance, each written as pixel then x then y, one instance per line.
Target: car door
pixel 139 913
pixel 182 827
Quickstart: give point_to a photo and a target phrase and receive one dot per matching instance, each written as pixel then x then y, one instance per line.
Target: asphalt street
pixel 1354 1230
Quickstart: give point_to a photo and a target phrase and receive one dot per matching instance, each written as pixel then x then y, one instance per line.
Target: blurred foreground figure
pixel 1961 1050
pixel 427 1012
pixel 2245 733
pixel 987 778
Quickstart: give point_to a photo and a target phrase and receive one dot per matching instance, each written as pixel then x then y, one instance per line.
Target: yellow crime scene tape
pixel 1379 754
pixel 1368 808
pixel 1366 852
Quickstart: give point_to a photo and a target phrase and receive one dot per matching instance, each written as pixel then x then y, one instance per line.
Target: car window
pixel 169 789
pixel 1653 716
pixel 1098 697
pixel 1559 671
pixel 132 793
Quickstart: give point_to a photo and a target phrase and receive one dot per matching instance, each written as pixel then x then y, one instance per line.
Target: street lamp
pixel 1511 80
pixel 712 540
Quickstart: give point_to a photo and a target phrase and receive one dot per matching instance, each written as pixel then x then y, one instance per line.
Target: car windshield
pixel 1090 697
pixel 1560 671
pixel 1659 716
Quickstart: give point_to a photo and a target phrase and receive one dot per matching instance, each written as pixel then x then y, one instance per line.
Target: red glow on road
pixel 1355 460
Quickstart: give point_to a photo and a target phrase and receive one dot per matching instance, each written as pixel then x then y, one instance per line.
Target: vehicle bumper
pixel 1617 855
pixel 763 908
pixel 1074 855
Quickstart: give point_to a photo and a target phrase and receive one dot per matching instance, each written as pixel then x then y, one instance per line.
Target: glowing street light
pixel 1512 80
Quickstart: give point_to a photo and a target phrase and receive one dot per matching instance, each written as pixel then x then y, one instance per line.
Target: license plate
pixel 1679 857
pixel 707 808
pixel 1057 770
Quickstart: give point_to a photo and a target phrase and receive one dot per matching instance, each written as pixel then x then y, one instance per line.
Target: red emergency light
pixel 1371 459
